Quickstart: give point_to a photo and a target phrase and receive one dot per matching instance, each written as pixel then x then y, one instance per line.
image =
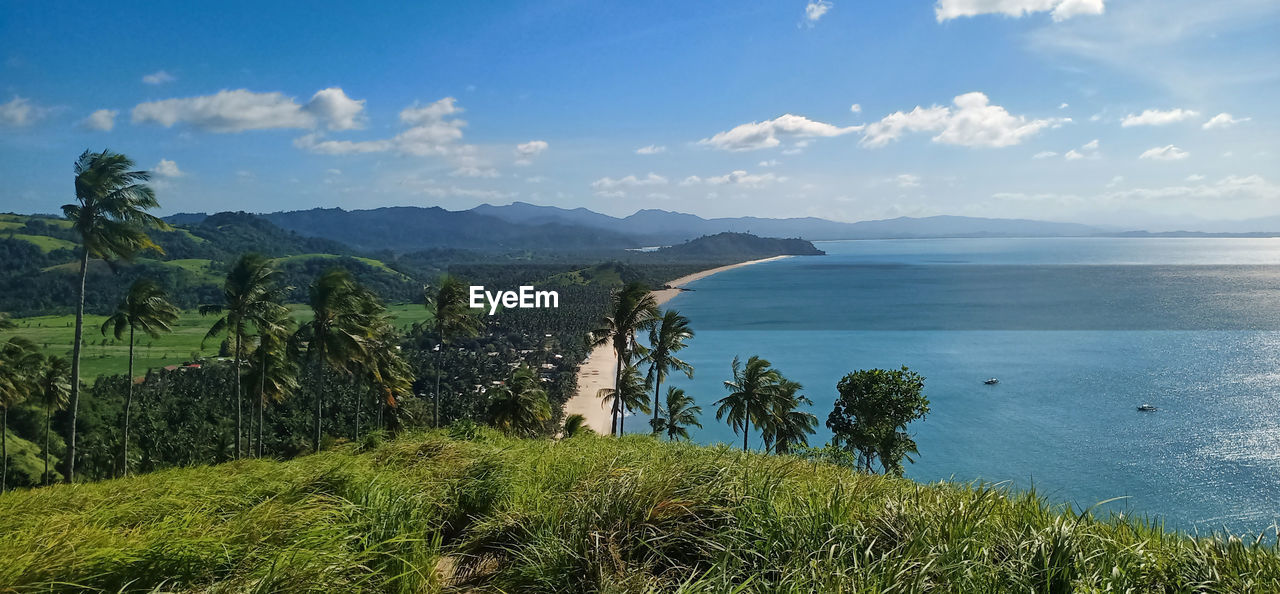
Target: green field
pixel 378 264
pixel 54 335
pixel 46 243
pixel 484 513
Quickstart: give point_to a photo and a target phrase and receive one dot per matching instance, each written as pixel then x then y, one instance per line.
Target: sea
pixel 1079 332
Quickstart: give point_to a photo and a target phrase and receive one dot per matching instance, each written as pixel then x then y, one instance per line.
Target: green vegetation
pixel 482 512
pixel 46 244
pixel 872 412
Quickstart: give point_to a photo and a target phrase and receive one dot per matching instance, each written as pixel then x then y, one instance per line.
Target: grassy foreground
pixel 432 513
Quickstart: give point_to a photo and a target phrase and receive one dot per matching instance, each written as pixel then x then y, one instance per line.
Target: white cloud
pixel 1115 181
pixel 769 163
pixel 1044 155
pixel 242 109
pixel 474 171
pixel 1223 120
pixel 815 9
pixel 19 111
pixel 527 151
pixel 767 134
pixel 1073 155
pixel 1165 153
pixel 158 77
pixel 974 122
pixel 1064 105
pixel 1195 177
pixel 1092 145
pixel 432 131
pixel 1155 117
pixel 167 168
pixel 651 150
pixel 606 183
pixel 856 108
pixel 735 178
pixel 907 180
pixel 337 110
pixel 102 120
pixel 1062 9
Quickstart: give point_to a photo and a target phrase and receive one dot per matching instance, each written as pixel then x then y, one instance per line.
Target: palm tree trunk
pixel 436 415
pixel 48 420
pixel 657 387
pixel 4 448
pixel 262 397
pixel 235 356
pixel 75 365
pixel 616 427
pixel 315 441
pixel 357 438
pixel 128 402
pixel 745 433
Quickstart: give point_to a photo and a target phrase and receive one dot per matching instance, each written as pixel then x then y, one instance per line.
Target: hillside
pixel 38 263
pixel 722 244
pixel 480 512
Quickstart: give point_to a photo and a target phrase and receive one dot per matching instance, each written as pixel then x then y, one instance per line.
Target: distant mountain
pixel 405 229
pixel 670 227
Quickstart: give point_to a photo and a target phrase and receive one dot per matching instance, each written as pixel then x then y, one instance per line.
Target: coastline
pixel 598 370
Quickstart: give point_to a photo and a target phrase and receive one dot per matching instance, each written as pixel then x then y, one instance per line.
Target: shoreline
pixel 598 370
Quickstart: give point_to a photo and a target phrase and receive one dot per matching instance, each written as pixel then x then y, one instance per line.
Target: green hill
pixel 430 513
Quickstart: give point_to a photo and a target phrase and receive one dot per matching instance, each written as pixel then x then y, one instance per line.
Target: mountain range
pixel 527 226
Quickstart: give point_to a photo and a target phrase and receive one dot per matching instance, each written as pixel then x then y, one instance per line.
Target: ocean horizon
pixel 1079 331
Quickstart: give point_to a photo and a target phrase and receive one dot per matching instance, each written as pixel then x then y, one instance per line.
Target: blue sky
pixel 1137 112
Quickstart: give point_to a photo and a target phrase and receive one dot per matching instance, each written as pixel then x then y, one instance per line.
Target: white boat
pixel 991 382
pixel 1147 408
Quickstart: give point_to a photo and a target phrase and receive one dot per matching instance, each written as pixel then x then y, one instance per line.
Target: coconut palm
pixel 633 389
pixel 273 371
pixel 681 413
pixel 752 390
pixel 632 309
pixel 336 334
pixel 389 375
pixel 451 319
pixel 19 365
pixel 666 338
pixel 520 406
pixel 575 425
pixel 251 288
pixel 787 427
pixel 53 387
pixel 144 308
pixel 110 216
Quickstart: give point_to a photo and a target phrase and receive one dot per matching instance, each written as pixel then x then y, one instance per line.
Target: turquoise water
pixel 1079 331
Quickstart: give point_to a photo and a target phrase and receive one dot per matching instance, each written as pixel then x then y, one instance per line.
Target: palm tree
pixel 633 390
pixel 53 386
pixel 681 413
pixel 110 217
pixel 666 338
pixel 144 308
pixel 336 335
pixel 451 319
pixel 19 364
pixel 631 310
pixel 389 375
pixel 787 427
pixel 520 406
pixel 274 372
pixel 752 391
pixel 575 425
pixel 251 288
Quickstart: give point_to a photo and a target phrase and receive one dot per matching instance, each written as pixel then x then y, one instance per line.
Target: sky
pixel 1142 113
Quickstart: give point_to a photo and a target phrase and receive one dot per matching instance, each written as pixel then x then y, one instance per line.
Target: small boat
pixel 1147 408
pixel 991 382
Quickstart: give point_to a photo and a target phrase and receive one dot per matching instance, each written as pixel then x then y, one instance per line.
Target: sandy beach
pixel 597 371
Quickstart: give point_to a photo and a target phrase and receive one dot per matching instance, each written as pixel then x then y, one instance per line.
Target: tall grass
pixel 431 513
